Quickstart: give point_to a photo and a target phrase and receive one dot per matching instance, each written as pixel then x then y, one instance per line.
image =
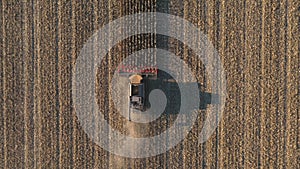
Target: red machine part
pixel 142 70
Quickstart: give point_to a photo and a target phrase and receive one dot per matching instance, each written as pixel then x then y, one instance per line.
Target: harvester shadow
pixel 170 87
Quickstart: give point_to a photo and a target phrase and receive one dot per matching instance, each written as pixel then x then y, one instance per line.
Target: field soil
pixel 258 44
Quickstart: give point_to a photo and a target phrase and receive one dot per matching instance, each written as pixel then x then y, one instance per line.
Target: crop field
pixel 258 45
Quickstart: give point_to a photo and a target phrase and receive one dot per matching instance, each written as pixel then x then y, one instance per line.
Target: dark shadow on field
pixel 169 86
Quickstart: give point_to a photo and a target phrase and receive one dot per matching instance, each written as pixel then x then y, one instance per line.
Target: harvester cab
pixel 136 92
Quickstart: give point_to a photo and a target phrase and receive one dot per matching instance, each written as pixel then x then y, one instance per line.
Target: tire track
pixel 28 61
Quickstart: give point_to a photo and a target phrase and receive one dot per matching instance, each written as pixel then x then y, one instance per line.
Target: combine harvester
pixel 137 76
